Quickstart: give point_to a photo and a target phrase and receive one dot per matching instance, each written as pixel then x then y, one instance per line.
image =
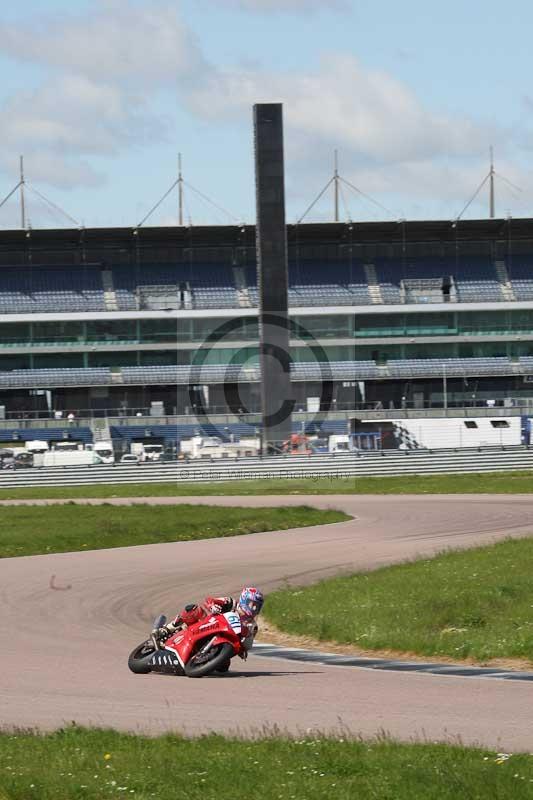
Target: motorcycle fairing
pixel 162 661
pixel 224 627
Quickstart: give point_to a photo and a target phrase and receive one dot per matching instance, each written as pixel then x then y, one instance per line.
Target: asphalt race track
pixel 68 622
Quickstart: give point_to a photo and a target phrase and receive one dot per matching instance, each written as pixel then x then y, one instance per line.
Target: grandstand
pixel 120 322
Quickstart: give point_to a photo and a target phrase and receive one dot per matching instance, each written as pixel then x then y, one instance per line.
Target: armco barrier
pixel 386 462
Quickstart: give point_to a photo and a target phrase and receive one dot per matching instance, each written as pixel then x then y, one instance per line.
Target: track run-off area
pixel 68 622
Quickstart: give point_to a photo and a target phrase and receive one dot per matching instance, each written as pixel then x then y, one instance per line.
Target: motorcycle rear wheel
pixel 139 658
pixel 220 654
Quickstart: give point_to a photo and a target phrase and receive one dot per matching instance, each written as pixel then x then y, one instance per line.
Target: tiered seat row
pixel 335 370
pixel 79 433
pixel 438 367
pixel 69 376
pixel 520 269
pixel 206 285
pixel 300 371
pixel 34 289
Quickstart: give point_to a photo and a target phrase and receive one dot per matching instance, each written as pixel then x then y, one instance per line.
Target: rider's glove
pixel 164 632
pixel 226 604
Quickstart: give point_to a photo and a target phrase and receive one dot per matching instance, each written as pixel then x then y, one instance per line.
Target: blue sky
pixel 101 95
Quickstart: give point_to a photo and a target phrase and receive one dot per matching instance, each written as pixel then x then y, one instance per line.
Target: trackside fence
pixel 384 462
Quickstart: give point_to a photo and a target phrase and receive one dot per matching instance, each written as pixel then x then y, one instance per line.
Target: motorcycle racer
pixel 248 607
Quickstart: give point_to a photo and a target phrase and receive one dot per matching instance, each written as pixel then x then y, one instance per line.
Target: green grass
pixel 472 604
pixel 476 483
pixel 71 765
pixel 31 530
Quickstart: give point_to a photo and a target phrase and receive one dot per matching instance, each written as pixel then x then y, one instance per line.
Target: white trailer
pixel 147 451
pixel 454 432
pixel 153 452
pixel 67 446
pixel 341 443
pixel 69 458
pixel 212 447
pixel 36 446
pixel 104 451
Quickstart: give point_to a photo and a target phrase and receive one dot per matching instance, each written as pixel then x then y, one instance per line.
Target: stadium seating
pixel 337 283
pixel 300 371
pixel 422 367
pixel 389 274
pixel 474 277
pixel 37 288
pixel 40 378
pixel 208 285
pixel 520 270
pixel 526 363
pixel 208 373
pixel 211 286
pixel 81 434
pixel 335 370
pixel 172 434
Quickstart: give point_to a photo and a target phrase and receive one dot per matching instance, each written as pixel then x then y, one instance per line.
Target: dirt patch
pixel 269 634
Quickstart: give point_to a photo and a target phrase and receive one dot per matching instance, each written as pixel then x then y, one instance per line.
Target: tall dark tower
pixel 272 272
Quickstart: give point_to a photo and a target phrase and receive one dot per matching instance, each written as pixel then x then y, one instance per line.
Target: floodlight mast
pixel 491 192
pixel 180 193
pixel 490 178
pixel 336 179
pixel 22 203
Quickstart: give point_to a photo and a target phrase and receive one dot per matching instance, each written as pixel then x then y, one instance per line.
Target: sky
pixel 100 96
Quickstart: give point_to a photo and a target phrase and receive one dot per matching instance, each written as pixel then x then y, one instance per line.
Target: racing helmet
pixel 250 601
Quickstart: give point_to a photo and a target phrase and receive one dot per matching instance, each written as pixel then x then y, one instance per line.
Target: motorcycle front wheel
pixel 202 664
pixel 139 659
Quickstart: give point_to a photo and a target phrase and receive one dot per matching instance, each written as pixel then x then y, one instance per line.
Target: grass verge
pixel 91 764
pixel 475 483
pixel 32 530
pixel 475 604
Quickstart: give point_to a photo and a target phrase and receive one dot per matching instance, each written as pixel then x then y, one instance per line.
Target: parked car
pixel 7 459
pixel 130 458
pixel 23 460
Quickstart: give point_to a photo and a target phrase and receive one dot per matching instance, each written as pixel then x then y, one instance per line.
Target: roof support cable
pixel 159 203
pixel 479 188
pixel 52 205
pixel 513 189
pixel 315 201
pixel 211 202
pixel 11 193
pixel 368 197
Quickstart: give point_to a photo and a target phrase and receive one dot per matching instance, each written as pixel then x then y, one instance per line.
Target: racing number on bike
pixel 234 621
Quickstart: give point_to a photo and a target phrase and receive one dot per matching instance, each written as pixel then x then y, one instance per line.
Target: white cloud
pixel 369 113
pixel 116 41
pixel 300 6
pixel 391 145
pixel 73 114
pixel 68 119
pixel 104 69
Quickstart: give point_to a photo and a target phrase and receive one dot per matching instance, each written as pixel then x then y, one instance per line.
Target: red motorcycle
pixel 205 647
